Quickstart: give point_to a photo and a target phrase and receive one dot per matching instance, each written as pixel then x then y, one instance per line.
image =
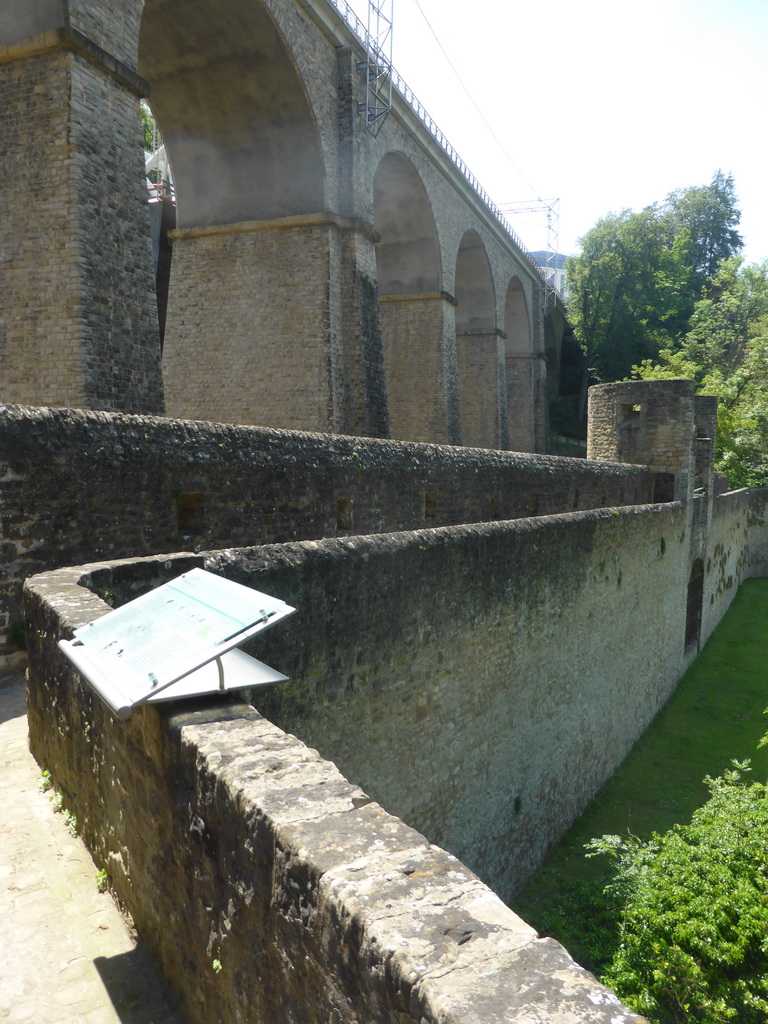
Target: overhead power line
pixel 483 118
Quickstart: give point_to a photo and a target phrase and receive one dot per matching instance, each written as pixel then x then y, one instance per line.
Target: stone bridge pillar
pixel 480 358
pixel 365 405
pixel 78 319
pixel 526 393
pixel 253 327
pixel 276 323
pixel 419 339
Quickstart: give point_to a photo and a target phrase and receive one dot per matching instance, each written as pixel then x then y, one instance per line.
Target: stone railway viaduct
pixel 323 278
pixel 481 635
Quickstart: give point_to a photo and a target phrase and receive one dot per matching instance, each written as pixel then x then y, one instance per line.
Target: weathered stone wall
pixel 651 423
pixel 730 555
pixel 757 520
pixel 76 486
pixel 231 841
pixel 481 682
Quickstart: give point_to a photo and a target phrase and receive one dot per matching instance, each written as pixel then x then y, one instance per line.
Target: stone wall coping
pixel 326 218
pixel 420 297
pixel 116 433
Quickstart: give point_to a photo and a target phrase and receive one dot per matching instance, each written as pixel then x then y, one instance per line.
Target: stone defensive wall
pixel 479 681
pixel 77 485
pixel 298 898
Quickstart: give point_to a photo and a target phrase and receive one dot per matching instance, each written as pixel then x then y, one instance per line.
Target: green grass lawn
pixel 714 716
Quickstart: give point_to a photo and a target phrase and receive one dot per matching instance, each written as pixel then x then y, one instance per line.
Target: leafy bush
pixel 694 935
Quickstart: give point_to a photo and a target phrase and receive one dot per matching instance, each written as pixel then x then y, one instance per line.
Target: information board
pixel 139 651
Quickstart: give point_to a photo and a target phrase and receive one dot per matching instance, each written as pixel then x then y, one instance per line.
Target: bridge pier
pixel 253 333
pixel 78 323
pixel 365 405
pixel 418 333
pixel 479 355
pixel 276 323
pixel 526 386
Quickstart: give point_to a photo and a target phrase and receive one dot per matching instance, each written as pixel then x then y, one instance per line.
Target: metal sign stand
pixel 178 641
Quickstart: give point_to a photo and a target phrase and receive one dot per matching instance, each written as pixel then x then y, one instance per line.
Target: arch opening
pixel 233 112
pixel 475 299
pixel 478 348
pixel 522 371
pixel 516 320
pixel 412 310
pixel 407 257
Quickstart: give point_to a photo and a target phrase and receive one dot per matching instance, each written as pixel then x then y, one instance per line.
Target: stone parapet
pixel 76 485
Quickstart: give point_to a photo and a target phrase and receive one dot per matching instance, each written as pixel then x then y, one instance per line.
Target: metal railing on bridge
pixel 426 119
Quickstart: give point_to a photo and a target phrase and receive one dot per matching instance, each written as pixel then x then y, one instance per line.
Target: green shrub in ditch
pixel 693 941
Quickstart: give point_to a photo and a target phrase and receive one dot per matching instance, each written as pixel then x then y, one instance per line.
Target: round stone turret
pixel 651 423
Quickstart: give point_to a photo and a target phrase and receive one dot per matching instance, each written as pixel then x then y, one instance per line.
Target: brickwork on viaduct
pixel 322 278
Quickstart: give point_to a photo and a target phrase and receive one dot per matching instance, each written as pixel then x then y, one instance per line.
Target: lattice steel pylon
pixel 377 66
pixel 552 209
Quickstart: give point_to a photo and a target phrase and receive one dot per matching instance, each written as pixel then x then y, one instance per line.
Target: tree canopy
pixel 725 351
pixel 633 287
pixel 710 216
pixel 663 293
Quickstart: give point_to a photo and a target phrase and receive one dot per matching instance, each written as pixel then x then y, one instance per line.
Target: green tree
pixel 148 128
pixel 630 290
pixel 710 215
pixel 633 287
pixel 725 352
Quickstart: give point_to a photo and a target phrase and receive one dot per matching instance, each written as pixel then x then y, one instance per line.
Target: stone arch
pixel 233 111
pixel 407 253
pixel 413 310
pixel 475 297
pixel 251 333
pixel 478 346
pixel 517 322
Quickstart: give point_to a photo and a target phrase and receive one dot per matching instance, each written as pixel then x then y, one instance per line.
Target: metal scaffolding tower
pixel 550 207
pixel 377 67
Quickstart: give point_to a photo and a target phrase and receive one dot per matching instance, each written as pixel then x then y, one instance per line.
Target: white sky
pixel 604 104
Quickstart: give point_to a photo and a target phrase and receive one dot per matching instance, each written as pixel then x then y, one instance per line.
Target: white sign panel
pixel 136 652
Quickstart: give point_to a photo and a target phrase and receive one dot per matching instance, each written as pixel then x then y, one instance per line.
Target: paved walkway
pixel 67 955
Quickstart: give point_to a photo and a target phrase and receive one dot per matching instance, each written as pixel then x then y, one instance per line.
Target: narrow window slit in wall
pixel 575 499
pixel 533 504
pixel 430 504
pixel 629 416
pixel 344 514
pixel 190 508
